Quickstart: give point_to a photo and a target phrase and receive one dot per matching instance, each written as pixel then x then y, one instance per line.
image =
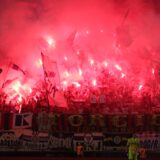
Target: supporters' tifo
pixel 94 87
pixel 96 57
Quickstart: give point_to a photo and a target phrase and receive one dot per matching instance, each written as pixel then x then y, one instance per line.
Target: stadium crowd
pixel 108 95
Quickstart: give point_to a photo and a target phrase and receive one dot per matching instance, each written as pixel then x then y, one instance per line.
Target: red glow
pixel 67 74
pixel 20 98
pixel 76 84
pixel 91 62
pixel 39 63
pixel 122 75
pixel 20 108
pixel 105 63
pixel 30 90
pixel 65 82
pixel 16 86
pixel 140 87
pixel 78 52
pixel 87 32
pixel 94 82
pixel 153 71
pixel 101 30
pixel 65 58
pixel 118 67
pixel 80 72
pixel 93 44
pixel 51 41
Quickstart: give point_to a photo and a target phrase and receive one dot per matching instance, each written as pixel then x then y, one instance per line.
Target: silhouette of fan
pixel 1 70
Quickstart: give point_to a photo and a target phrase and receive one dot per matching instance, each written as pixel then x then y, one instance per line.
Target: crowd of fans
pixel 109 95
pixel 108 100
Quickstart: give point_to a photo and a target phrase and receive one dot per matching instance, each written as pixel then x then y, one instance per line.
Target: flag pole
pixel 125 17
pixel 8 67
pixel 45 82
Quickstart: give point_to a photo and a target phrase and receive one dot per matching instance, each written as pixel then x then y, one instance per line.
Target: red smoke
pixel 82 36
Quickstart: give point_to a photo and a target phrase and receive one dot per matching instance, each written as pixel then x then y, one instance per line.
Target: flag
pixel 23 120
pixel 60 100
pixel 17 68
pixel 50 70
pixel 8 82
pixel 4 72
pixel 71 38
pixel 6 75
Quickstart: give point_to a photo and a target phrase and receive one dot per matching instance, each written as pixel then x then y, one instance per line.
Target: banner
pixel 116 141
pixel 61 141
pixel 22 140
pixel 90 141
pixel 150 141
pixel 56 142
pixel 52 122
pixel 8 141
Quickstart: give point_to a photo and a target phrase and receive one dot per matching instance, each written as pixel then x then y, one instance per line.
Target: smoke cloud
pixel 104 29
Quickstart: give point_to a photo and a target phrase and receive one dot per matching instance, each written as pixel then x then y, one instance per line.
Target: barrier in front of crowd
pixel 62 132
